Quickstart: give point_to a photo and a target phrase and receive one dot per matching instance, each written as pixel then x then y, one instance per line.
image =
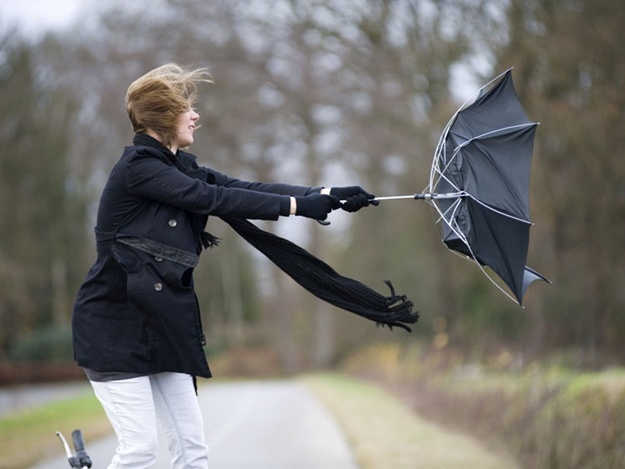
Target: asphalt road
pixel 254 425
pixel 27 396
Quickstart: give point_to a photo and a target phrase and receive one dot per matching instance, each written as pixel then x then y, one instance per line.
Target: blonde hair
pixel 156 100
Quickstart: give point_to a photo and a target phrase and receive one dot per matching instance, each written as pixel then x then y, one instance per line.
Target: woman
pixel 136 324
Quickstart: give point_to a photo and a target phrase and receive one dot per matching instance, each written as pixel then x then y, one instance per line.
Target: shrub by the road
pixel 546 417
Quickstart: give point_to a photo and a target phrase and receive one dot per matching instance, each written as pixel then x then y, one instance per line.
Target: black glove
pixel 316 205
pixel 355 197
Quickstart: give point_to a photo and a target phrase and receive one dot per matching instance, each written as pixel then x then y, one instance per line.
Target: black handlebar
pixel 81 460
pixel 79 444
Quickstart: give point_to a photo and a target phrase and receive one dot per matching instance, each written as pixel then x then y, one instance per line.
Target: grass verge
pixel 29 436
pixel 544 415
pixel 383 432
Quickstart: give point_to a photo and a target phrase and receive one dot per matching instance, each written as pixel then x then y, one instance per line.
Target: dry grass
pixel 543 415
pixel 385 433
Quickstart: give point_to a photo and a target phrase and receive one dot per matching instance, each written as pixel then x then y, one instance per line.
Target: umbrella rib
pixel 499 212
pixel 456 230
pixel 486 135
pixel 448 221
pixel 440 149
pixel 441 175
pixel 443 216
pixel 499 130
pixel 476 95
pixel 449 181
pixel 485 272
pixel 440 146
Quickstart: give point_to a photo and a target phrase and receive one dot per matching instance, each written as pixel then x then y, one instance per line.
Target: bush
pixel 50 344
pixel 581 426
pixel 545 418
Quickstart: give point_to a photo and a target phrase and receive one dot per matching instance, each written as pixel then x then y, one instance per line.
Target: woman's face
pixel 185 129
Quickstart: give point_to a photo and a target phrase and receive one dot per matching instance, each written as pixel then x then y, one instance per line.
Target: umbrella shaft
pixel 397 197
pixel 425 196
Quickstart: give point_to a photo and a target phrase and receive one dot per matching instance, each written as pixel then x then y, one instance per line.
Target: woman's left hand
pixel 354 197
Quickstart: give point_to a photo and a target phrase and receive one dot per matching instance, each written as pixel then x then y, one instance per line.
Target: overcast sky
pixel 35 16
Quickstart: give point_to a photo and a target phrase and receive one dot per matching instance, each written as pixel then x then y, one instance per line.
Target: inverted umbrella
pixel 479 184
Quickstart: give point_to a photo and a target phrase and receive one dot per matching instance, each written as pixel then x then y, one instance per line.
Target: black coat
pixel 137 310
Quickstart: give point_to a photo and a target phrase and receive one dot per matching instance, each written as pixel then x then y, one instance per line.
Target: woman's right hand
pixel 316 206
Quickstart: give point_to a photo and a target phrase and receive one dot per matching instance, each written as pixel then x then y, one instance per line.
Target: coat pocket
pixel 151 267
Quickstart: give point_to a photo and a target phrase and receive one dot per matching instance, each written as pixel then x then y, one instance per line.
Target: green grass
pixel 27 437
pixel 383 432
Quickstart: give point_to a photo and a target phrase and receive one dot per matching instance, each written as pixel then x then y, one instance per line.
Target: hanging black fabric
pixel 324 282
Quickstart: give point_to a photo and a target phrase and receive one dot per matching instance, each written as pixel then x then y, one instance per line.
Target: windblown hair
pixel 156 100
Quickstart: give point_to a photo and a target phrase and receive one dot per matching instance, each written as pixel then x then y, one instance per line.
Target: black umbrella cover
pixel 487 155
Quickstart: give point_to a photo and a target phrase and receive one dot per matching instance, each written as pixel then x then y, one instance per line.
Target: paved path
pixel 19 397
pixel 255 425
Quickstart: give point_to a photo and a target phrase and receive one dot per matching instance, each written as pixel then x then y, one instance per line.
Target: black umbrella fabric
pixel 479 184
pixel 486 154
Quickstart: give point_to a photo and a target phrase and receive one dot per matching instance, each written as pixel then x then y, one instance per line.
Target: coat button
pixel 158 286
pixel 158 258
pixel 172 223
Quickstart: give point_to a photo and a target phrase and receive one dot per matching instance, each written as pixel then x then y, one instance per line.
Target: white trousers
pixel 139 407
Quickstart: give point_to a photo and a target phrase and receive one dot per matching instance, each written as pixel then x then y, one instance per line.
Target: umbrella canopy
pixel 479 184
pixel 482 169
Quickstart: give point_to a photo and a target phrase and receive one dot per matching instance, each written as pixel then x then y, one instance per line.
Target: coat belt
pixel 151 247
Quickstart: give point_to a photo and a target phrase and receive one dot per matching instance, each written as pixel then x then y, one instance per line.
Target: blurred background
pixel 322 93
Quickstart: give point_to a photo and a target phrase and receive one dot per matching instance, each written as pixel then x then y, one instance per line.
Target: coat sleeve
pixel 148 176
pixel 274 188
pixel 213 176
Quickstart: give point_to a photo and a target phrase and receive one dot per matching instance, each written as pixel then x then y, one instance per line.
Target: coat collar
pixel 183 163
pixel 145 140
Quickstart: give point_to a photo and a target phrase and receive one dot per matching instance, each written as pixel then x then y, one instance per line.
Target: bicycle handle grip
pixel 79 446
pixel 79 442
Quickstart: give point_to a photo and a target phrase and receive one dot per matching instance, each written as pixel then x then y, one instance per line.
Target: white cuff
pixel 293 206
